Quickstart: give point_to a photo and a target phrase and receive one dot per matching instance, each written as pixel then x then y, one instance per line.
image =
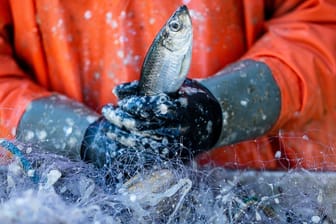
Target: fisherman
pixel 259 92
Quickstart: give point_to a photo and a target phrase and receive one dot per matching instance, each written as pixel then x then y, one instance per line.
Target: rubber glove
pixel 100 148
pixel 240 102
pixel 63 126
pixel 188 120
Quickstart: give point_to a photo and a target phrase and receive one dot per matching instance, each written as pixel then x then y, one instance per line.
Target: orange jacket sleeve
pixel 298 43
pixel 17 89
pixel 300 49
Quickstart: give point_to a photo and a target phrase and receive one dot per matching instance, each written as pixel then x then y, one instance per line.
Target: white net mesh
pixel 75 192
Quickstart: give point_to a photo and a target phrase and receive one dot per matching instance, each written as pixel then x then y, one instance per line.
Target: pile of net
pixel 52 189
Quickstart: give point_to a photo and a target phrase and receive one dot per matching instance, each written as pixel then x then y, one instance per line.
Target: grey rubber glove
pixel 189 119
pixel 62 126
pixel 250 100
pixel 239 103
pixel 100 148
pixel 56 124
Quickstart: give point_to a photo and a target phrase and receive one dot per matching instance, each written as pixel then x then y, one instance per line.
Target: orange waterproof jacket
pixel 83 48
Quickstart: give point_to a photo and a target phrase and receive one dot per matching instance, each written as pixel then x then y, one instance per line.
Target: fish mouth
pixel 182 10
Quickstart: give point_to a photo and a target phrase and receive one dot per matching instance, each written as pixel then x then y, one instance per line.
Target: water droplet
pixel 29 135
pixel 87 14
pixel 108 17
pixel 41 135
pixel 151 20
pixel 305 137
pixel 244 103
pixel 120 54
pixel 315 219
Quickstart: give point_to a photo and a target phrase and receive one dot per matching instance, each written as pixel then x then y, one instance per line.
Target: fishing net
pixel 41 187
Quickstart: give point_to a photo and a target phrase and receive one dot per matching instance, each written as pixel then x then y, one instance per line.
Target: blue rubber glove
pixel 181 124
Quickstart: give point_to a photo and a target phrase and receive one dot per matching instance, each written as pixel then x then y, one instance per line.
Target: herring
pixel 168 59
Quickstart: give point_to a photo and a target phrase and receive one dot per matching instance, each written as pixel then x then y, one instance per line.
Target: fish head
pixel 168 59
pixel 177 33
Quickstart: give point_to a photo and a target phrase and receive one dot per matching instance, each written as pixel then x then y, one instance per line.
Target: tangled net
pixel 53 189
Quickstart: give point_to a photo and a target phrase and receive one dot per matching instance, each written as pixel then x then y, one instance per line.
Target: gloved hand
pixel 68 128
pixel 123 155
pixel 181 124
pixel 241 102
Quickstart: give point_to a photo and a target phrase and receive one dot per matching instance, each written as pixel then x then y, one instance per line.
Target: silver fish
pixel 168 59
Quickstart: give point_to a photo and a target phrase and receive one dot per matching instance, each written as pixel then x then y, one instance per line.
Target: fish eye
pixel 175 26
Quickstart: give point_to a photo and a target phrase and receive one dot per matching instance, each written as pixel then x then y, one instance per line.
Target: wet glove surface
pixel 188 121
pixel 101 148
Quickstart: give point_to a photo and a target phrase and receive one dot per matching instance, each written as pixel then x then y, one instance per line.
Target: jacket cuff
pixel 56 124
